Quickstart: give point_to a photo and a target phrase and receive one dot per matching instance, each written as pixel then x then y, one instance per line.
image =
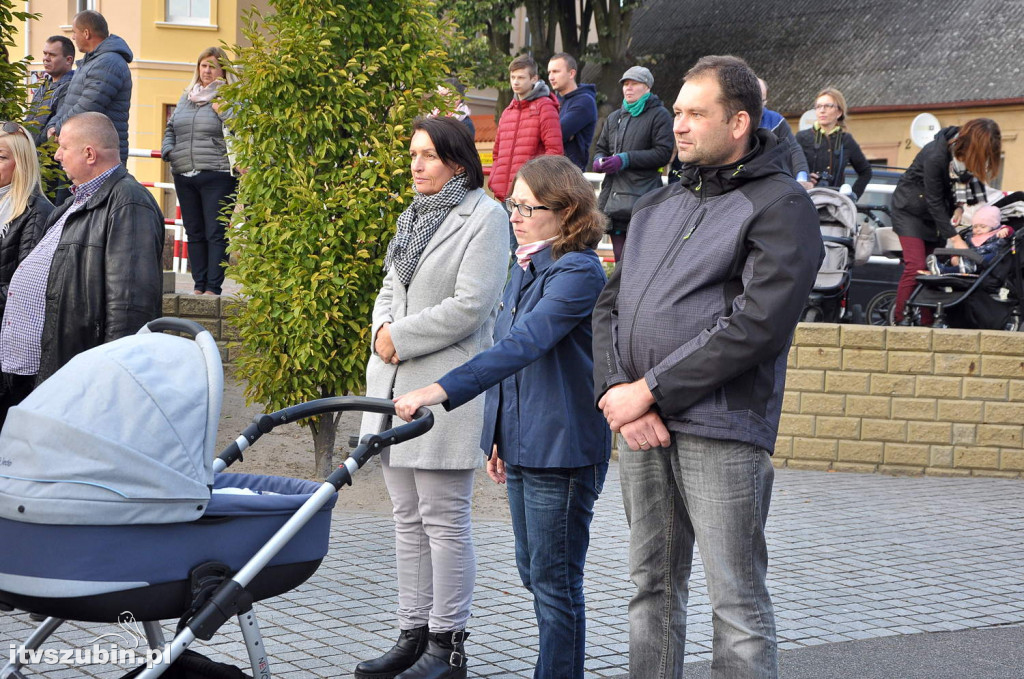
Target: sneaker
pixel 933 265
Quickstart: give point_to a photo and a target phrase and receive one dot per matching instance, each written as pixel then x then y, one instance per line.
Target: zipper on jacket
pixel 696 223
pixel 680 239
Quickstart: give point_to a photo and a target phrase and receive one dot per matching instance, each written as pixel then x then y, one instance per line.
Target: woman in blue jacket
pixel 552 445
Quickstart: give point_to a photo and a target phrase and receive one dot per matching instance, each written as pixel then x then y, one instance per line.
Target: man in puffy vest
pixel 102 82
pixel 528 127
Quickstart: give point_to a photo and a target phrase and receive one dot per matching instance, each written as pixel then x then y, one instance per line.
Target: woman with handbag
pixel 196 146
pixel 928 204
pixel 635 143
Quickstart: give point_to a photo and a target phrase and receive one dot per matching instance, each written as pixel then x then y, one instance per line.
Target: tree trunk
pixel 325 430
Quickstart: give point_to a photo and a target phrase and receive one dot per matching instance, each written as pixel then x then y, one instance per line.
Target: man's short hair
pixel 66 46
pixel 740 90
pixel 570 62
pixel 523 61
pixel 94 22
pixel 96 130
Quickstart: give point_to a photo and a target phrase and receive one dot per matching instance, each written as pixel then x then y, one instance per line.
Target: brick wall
pixel 210 312
pixel 904 401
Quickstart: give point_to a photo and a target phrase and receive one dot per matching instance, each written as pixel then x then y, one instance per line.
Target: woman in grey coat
pixel 196 147
pixel 446 267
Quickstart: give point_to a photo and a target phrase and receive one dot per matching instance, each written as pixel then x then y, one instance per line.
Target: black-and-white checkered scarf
pixel 967 189
pixel 418 224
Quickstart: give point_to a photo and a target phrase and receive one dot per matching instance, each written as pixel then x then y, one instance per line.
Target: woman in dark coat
pixel 635 143
pixel 552 445
pixel 23 212
pixel 829 148
pixel 928 203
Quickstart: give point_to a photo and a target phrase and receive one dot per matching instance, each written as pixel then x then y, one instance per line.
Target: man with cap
pixel 635 144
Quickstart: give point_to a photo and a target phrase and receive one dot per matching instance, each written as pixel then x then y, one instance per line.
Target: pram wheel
pixel 880 308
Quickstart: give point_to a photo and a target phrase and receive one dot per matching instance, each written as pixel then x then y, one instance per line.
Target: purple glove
pixel 611 164
pixel 599 164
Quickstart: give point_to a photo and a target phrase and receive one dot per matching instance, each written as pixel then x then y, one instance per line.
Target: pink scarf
pixel 524 253
pixel 203 95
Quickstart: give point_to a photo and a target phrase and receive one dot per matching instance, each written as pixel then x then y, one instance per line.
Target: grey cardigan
pixel 442 319
pixel 194 139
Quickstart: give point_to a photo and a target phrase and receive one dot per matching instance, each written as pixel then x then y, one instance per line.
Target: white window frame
pixel 189 20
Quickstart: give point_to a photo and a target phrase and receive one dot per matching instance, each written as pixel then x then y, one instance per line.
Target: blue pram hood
pixel 122 434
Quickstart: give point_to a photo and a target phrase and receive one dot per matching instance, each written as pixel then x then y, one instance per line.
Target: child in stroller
pixel 986 237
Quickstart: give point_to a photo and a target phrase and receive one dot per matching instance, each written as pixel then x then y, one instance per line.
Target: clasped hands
pixel 383 346
pixel 628 409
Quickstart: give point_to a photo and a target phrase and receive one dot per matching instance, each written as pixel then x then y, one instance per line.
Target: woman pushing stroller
pixel 929 201
pixel 550 445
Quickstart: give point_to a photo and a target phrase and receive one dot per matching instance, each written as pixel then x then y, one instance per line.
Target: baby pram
pixel 989 299
pixel 838 216
pixel 110 501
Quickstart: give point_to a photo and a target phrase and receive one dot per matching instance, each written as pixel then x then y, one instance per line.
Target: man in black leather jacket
pixel 95 273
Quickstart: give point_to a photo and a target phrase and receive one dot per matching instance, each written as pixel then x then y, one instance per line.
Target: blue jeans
pixel 203 199
pixel 717 493
pixel 551 514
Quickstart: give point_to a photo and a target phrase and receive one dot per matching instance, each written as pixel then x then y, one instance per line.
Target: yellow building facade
pixel 166 37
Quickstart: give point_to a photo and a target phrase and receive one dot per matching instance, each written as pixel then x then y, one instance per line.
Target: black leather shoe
pixel 407 650
pixel 445 658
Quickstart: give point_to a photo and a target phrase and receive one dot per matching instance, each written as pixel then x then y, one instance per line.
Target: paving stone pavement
pixel 852 557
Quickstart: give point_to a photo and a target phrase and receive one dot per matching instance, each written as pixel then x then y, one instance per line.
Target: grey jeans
pixel 717 493
pixel 433 545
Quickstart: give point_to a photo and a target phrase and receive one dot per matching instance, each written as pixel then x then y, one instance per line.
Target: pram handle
pixel 171 324
pixel 370 445
pixel 959 252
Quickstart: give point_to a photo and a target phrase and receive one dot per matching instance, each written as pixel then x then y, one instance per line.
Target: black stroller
pixel 110 501
pixel 989 299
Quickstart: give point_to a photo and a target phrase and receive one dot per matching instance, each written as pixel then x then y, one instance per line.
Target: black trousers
pixel 204 199
pixel 13 390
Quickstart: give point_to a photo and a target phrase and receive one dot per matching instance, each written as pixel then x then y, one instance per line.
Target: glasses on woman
pixel 524 209
pixel 824 107
pixel 9 127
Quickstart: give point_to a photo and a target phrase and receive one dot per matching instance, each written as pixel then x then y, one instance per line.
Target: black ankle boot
pixel 403 655
pixel 445 658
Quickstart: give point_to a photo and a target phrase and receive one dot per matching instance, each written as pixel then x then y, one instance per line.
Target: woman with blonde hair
pixel 23 211
pixel 829 147
pixel 196 146
pixel 548 441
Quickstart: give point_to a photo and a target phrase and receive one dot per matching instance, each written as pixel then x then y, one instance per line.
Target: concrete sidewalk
pixel 869 574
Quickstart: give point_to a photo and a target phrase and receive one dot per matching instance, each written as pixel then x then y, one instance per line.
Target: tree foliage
pixel 488 50
pixel 322 119
pixel 13 72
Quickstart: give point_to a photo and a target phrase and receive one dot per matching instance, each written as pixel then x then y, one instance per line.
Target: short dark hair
pixel 523 61
pixel 93 21
pixel 738 83
pixel 66 46
pixel 454 145
pixel 570 62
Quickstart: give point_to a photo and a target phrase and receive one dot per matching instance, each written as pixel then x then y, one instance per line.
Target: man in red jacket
pixel 528 128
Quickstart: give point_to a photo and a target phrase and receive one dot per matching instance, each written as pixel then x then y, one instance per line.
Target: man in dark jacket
pixel 95 275
pixel 58 63
pixel 691 337
pixel 102 82
pixel 635 143
pixel 578 114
